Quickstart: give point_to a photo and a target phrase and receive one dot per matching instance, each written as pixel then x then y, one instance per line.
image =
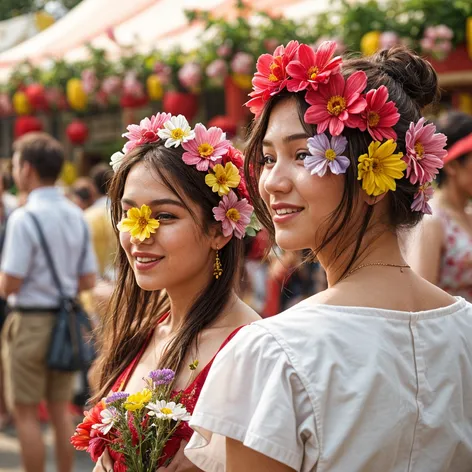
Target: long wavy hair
pixel 133 312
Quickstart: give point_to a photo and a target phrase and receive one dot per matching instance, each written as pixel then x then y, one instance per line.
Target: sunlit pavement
pixel 10 453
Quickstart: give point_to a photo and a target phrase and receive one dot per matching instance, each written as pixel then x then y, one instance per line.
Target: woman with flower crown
pixel 180 206
pixel 375 373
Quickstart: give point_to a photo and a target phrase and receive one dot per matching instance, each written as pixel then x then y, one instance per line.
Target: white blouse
pixel 343 389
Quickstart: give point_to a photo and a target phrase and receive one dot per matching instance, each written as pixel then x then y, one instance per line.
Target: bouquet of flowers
pixel 136 427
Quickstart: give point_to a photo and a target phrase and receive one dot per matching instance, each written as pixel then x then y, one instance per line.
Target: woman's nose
pixel 278 179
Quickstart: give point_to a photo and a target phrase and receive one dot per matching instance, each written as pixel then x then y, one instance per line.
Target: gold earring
pixel 217 268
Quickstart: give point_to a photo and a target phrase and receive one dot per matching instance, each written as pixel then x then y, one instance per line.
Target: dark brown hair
pixel 133 312
pixel 101 175
pixel 455 125
pixel 43 152
pixel 412 84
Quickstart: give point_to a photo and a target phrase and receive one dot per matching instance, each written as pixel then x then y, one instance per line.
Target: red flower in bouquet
pixel 84 432
pixel 312 68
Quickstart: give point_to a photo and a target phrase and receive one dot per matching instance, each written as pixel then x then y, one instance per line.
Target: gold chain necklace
pixel 369 264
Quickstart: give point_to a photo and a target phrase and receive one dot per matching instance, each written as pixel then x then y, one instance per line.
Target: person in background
pixel 441 249
pixel 83 192
pixel 26 280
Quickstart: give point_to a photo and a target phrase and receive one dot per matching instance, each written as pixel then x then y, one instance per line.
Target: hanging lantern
pixel 37 97
pixel 179 103
pixel 21 103
pixel 26 124
pixel 154 87
pixel 132 101
pixel 68 173
pixel 76 96
pixel 468 35
pixel 370 43
pixel 77 132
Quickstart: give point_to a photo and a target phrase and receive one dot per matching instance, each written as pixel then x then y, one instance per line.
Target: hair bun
pixel 413 73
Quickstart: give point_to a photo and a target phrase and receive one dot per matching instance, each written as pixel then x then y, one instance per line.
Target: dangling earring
pixel 217 268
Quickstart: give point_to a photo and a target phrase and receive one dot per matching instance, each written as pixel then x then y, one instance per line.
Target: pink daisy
pixel 312 68
pixel 271 76
pixel 380 115
pixel 145 132
pixel 208 147
pixel 338 103
pixel 234 215
pixel 422 197
pixel 424 152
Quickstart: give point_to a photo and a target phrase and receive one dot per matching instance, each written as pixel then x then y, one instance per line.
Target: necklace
pixel 369 264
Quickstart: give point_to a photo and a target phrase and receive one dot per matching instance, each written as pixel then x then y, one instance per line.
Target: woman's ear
pixel 370 199
pixel 217 239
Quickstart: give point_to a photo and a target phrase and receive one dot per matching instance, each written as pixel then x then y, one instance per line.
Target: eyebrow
pixel 287 139
pixel 161 201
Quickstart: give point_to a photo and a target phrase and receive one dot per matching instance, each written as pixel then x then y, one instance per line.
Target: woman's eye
pixel 266 160
pixel 164 217
pixel 302 155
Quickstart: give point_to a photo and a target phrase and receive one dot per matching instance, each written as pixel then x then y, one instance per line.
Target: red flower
pixel 234 156
pixel 380 115
pixel 337 104
pixel 242 189
pixel 84 432
pixel 96 447
pixel 313 68
pixel 271 76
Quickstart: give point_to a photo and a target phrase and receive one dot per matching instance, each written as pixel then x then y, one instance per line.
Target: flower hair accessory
pixel 336 103
pixel 212 154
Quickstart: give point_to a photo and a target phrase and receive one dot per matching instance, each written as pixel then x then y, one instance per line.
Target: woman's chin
pixel 290 241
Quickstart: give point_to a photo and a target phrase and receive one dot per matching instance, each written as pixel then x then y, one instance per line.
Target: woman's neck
pixel 382 247
pixel 451 197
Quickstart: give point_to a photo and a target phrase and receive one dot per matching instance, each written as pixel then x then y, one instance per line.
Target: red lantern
pixel 26 124
pixel 77 132
pixel 37 97
pixel 131 101
pixel 226 123
pixel 179 103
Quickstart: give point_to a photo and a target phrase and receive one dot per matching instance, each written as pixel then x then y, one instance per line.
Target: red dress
pixel 189 399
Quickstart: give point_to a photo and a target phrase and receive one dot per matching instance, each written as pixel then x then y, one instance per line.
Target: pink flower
pixel 163 71
pixel 270 44
pixel 337 104
pixel 89 80
pixel 437 41
pixel 388 39
pixel 424 152
pixel 312 68
pixel 111 85
pixel 132 86
pixel 242 63
pixel 217 69
pixel 380 115
pixel 340 46
pixel 271 76
pixel 190 75
pixel 224 50
pixel 326 153
pixel 209 146
pixel 234 215
pixel 422 197
pixel 145 132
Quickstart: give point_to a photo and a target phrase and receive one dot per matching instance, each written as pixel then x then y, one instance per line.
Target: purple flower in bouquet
pixel 116 397
pixel 162 376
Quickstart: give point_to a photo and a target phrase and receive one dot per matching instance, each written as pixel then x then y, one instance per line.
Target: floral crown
pixel 337 103
pixel 211 153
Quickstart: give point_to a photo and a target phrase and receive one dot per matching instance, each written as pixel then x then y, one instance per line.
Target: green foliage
pixel 12 8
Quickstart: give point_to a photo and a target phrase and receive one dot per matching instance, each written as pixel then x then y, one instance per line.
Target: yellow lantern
pixel 465 102
pixel 76 96
pixel 154 87
pixel 68 173
pixel 21 103
pixel 243 81
pixel 370 43
pixel 468 35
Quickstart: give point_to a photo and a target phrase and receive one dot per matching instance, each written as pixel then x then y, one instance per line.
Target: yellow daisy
pixel 223 178
pixel 380 167
pixel 138 401
pixel 139 223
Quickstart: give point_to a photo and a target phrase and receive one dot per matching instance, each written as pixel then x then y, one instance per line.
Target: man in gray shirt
pixel 32 295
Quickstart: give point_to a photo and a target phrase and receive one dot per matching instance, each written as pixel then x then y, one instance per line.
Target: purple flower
pixel 116 397
pixel 162 376
pixel 326 153
pixel 422 197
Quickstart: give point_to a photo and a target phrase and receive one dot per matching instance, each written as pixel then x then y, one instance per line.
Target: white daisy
pixel 116 160
pixel 176 131
pixel 168 410
pixel 109 417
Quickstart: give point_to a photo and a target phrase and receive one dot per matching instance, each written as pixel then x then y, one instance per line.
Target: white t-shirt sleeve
pixel 253 395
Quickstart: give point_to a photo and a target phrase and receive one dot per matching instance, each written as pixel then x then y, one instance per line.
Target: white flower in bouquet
pixel 168 410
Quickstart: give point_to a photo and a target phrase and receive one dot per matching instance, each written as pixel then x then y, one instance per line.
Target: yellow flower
pixel 138 400
pixel 139 223
pixel 370 43
pixel 379 169
pixel 223 178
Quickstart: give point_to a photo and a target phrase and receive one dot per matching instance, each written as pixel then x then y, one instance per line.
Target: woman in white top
pixel 375 373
